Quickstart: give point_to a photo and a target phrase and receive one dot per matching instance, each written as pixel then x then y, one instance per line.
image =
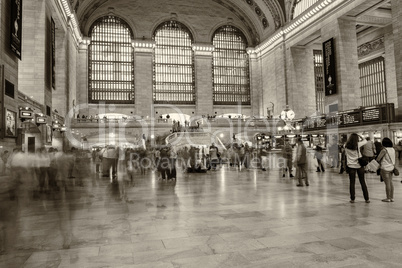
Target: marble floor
pixel 224 218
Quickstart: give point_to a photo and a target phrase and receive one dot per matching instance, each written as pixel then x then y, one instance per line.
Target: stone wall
pixel 9 67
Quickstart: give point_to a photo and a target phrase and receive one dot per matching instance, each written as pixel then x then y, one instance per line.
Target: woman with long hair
pixel 387 160
pixel 352 152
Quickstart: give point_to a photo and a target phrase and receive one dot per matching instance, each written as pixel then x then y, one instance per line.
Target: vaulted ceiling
pixel 258 19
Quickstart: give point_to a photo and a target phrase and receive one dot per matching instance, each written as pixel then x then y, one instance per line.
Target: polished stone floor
pixel 224 218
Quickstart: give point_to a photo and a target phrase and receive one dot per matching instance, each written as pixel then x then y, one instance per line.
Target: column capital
pixel 85 42
pixel 252 52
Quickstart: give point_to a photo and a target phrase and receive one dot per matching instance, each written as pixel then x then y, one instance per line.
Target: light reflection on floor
pixel 224 218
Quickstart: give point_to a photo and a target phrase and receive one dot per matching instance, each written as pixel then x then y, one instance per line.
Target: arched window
pixel 111 62
pixel 173 64
pixel 231 82
pixel 299 6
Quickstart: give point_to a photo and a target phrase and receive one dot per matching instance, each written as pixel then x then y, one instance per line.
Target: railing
pixel 180 138
pixel 302 5
pixel 58 118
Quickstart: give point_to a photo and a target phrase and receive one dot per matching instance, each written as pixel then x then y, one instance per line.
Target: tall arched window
pixel 111 62
pixel 173 64
pixel 231 82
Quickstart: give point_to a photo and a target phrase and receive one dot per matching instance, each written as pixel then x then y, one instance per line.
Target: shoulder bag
pixel 395 171
pixel 363 160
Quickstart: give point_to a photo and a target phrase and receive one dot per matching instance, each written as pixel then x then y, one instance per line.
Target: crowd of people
pixel 62 177
pixel 358 152
pixel 67 177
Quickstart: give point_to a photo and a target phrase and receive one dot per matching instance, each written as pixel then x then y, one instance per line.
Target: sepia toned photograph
pixel 201 133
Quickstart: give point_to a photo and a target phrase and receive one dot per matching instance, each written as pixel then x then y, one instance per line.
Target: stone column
pixel 397 26
pixel 203 78
pixel 59 96
pixel 390 70
pixel 348 94
pixel 256 92
pixel 143 56
pixel 273 80
pixel 31 73
pixel 301 87
pixel 78 76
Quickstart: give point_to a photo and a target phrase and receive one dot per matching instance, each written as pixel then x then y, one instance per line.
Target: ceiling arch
pixel 259 19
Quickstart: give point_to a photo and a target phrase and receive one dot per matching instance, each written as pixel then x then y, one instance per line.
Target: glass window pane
pixel 319 81
pixel 231 83
pixel 372 82
pixel 173 64
pixel 111 62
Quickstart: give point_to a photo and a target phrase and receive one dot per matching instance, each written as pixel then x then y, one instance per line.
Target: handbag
pixel 363 161
pixel 373 166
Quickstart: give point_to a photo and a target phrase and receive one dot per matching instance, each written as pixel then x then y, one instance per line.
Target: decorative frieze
pixel 141 45
pixel 259 12
pixel 276 13
pixel 370 47
pixel 203 47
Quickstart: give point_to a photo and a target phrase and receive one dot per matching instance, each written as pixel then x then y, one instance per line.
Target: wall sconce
pixel 55 125
pixel 63 128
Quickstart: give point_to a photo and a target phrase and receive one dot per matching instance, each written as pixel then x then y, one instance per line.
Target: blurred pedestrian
pixel 319 156
pixel 301 162
pixel 287 154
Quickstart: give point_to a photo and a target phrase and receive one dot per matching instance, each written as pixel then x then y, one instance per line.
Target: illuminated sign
pixel 365 116
pixel 24 114
pixel 41 120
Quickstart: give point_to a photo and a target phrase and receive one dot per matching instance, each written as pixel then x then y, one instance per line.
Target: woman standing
pixel 352 154
pixel 387 159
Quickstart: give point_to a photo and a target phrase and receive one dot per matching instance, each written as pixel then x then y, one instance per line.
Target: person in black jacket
pixel 164 162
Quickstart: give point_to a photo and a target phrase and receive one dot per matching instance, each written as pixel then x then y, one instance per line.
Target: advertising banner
pixel 16 27
pixel 329 67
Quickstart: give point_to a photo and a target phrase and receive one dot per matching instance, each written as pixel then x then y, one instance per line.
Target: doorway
pixel 31 144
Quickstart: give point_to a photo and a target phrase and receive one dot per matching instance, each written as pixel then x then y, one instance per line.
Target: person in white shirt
pixel 352 165
pixel 387 159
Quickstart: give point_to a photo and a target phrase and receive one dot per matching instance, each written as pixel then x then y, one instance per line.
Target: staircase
pixel 196 139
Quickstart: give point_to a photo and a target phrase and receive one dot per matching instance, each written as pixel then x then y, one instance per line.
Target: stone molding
pixel 370 47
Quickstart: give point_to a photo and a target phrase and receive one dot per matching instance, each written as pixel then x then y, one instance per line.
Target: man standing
pixel 301 161
pixel 164 164
pixel 264 157
pixel 213 154
pixel 287 154
pixel 368 150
